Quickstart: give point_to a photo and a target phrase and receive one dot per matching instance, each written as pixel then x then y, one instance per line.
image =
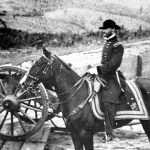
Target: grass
pixel 31 53
pixel 74 16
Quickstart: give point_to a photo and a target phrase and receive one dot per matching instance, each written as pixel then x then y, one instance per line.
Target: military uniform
pixel 112 55
pixel 111 59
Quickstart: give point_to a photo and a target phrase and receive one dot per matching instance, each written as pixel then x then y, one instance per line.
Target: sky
pixel 132 3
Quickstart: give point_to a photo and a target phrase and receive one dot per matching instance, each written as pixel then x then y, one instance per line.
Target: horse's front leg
pixel 76 141
pixel 87 139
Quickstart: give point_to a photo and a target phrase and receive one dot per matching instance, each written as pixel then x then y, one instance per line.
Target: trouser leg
pixel 110 112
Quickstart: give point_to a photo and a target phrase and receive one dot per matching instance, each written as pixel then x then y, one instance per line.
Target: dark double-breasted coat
pixel 112 55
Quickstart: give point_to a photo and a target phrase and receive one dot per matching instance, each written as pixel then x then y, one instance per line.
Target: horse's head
pixel 41 71
pixel 51 71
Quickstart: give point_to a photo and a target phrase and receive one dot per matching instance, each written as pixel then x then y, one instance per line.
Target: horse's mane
pixel 67 67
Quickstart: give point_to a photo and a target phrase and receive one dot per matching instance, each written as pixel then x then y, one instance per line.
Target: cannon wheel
pixel 26 62
pixel 22 112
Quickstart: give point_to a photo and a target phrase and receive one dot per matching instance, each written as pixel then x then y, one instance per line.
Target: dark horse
pixel 72 92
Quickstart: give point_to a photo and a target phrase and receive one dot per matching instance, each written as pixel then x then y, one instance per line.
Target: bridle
pixel 45 70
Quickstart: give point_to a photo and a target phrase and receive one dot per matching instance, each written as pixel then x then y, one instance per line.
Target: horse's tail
pixel 143 83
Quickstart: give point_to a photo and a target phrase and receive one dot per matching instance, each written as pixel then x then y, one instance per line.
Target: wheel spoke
pixel 20 121
pixel 35 110
pixel 12 124
pixel 30 107
pixel 2 123
pixel 29 99
pixel 21 94
pixel 3 87
pixel 17 88
pixel 27 116
pixel 2 95
pixel 2 110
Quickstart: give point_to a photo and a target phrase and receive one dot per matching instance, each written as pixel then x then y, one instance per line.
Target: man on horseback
pixel 112 55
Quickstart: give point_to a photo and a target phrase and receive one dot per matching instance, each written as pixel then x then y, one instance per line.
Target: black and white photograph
pixel 74 75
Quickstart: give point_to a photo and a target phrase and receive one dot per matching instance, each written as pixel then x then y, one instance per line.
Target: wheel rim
pixel 19 108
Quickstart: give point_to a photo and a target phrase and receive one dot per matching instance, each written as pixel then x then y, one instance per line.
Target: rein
pixel 88 99
pixel 79 84
pixel 82 81
pixel 72 87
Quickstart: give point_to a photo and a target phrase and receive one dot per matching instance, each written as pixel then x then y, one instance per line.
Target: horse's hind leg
pixel 146 127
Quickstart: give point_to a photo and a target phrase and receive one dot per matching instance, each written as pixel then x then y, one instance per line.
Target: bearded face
pixel 107 33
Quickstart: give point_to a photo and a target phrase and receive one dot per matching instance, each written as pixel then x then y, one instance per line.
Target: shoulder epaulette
pixel 117 43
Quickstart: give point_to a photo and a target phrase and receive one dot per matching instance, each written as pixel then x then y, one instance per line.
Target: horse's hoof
pixel 103 139
pixel 109 138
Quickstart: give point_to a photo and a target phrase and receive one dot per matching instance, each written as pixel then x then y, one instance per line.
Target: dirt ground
pixel 126 138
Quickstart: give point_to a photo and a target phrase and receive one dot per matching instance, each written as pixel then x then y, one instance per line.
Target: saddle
pixel 133 106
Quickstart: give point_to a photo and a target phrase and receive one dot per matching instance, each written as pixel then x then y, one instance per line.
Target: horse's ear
pixel 46 53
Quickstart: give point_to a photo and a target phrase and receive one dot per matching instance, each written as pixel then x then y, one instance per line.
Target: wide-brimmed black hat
pixel 110 24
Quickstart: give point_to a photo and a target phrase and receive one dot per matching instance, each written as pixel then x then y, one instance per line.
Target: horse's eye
pixel 38 63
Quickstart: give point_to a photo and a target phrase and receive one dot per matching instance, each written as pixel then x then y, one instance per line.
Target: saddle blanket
pixel 132 108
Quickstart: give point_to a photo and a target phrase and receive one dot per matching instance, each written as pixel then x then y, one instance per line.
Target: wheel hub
pixel 10 103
